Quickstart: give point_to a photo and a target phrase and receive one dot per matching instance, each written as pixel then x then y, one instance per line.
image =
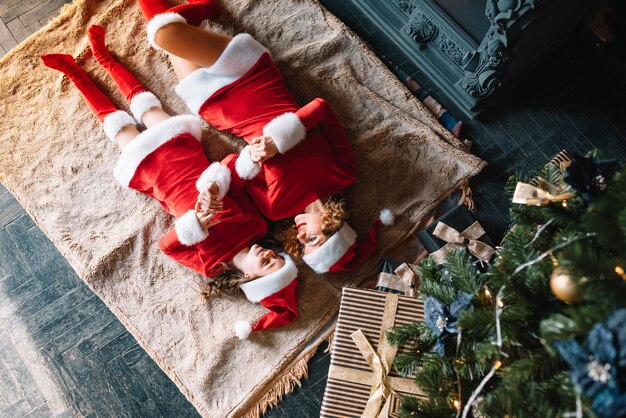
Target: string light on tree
pixel 454 401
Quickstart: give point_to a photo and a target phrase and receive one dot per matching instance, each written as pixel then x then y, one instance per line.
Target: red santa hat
pixel 277 293
pixel 344 251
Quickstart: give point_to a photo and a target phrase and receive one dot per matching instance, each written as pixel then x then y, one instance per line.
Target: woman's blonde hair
pixel 334 214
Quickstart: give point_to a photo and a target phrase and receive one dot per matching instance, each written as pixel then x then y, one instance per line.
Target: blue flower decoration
pixel 599 368
pixel 442 319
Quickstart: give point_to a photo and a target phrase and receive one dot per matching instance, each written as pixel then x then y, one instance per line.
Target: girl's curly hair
pixel 334 214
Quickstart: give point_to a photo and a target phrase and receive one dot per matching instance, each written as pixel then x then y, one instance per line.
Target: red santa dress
pixel 167 162
pixel 244 93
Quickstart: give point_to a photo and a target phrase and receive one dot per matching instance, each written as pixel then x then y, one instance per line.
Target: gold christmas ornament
pixel 564 286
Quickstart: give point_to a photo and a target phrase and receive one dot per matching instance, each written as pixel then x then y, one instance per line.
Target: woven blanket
pixel 55 159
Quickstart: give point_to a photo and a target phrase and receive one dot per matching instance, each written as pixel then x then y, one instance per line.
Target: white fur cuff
pixel 386 217
pixel 245 167
pixel 287 131
pixel 157 22
pixel 114 122
pixel 217 173
pixel 189 230
pixel 143 102
pixel 242 329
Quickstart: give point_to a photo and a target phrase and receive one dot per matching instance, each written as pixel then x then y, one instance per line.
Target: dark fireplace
pixel 468 14
pixel 473 50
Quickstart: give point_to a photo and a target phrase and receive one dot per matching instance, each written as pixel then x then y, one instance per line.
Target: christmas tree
pixel 541 332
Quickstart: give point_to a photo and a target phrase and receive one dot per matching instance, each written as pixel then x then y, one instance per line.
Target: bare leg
pixel 154 116
pixel 149 118
pixel 182 67
pixel 198 47
pixel 126 135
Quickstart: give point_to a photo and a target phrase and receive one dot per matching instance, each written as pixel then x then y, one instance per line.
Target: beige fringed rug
pixel 55 159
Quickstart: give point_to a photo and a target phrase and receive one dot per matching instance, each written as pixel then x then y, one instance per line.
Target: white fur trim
pixel 240 55
pixel 242 329
pixel 219 174
pixel 114 122
pixel 332 250
pixel 386 217
pixel 143 102
pixel 149 140
pixel 287 131
pixel 157 22
pixel 189 230
pixel 258 289
pixel 246 168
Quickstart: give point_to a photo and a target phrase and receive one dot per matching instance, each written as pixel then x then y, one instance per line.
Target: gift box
pixel 457 228
pixel 396 277
pixel 361 380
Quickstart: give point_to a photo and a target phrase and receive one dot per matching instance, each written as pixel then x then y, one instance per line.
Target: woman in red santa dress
pixel 298 159
pixel 214 234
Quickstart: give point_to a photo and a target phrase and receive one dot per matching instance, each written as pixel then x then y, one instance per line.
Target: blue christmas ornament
pixel 598 369
pixel 617 324
pixel 609 404
pixel 593 368
pixel 442 319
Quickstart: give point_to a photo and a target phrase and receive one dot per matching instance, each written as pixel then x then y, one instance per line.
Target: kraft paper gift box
pixel 361 380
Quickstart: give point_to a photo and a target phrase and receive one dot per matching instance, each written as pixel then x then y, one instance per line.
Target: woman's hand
pixel 209 202
pixel 262 148
pixel 212 189
pixel 206 217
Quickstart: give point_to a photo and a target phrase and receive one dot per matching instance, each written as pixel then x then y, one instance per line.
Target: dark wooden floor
pixel 63 353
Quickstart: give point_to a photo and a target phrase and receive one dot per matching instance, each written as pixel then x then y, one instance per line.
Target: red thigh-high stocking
pixel 113 119
pixel 141 100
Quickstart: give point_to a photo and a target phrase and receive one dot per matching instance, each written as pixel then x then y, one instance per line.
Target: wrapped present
pixel 396 278
pixel 361 379
pixel 541 194
pixel 457 228
pixel 563 159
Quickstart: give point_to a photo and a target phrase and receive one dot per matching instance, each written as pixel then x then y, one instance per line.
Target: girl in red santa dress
pixel 298 159
pixel 215 232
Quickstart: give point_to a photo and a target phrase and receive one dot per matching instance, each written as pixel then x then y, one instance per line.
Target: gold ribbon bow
pixel 382 385
pixel 468 238
pixel 403 279
pixel 527 194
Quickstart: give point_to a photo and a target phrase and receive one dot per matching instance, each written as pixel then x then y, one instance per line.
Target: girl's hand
pixel 262 148
pixel 210 203
pixel 205 218
pixel 212 189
